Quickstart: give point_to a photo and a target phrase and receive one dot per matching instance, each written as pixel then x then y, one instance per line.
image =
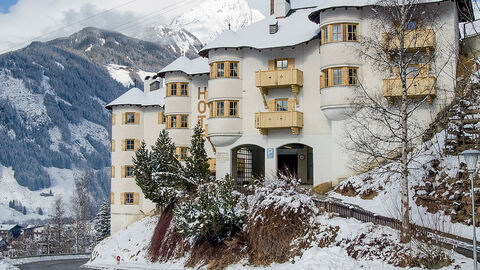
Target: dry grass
pixel 217 256
pixel 323 188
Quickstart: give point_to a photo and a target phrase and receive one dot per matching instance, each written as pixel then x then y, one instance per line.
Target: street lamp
pixel 471 157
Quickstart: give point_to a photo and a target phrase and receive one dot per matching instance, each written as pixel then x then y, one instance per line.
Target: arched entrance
pixel 248 161
pixel 296 159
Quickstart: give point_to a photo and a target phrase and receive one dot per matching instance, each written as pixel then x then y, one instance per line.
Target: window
pixel 129 171
pixel 281 64
pixel 129 144
pixel 337 32
pixel 351 32
pixel 129 198
pixel 337 76
pixel 173 89
pixel 182 153
pixel 411 25
pixel 220 108
pixel 130 118
pixel 220 69
pixel 184 89
pixel 325 74
pixel 173 121
pixel 233 69
pixel 184 121
pixel 233 108
pixel 412 71
pixel 352 76
pixel 281 105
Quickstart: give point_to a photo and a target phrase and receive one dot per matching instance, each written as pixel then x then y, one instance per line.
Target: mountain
pixel 178 39
pixel 53 123
pixel 209 19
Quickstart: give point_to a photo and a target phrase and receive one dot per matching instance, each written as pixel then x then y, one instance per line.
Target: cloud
pixel 44 20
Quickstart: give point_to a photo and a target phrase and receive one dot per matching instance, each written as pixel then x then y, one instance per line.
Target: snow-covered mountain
pixel 205 21
pixel 178 39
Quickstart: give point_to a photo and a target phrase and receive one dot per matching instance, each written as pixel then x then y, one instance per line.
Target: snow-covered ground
pixel 131 245
pixel 122 74
pixel 62 185
pixel 387 201
pixel 5 265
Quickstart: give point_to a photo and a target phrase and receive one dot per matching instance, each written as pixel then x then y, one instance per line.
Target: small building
pixel 10 232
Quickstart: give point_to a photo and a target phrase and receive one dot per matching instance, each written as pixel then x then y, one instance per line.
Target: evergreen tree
pixel 196 165
pixel 24 210
pixel 143 171
pixel 102 222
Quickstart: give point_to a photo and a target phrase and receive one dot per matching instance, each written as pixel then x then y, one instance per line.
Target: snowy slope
pixel 212 17
pixel 178 39
pixel 126 75
pixel 131 244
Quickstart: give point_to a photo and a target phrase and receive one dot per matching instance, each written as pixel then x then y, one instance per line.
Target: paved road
pixel 55 265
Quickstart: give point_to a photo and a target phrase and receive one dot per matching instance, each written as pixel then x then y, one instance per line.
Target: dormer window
pixel 154 86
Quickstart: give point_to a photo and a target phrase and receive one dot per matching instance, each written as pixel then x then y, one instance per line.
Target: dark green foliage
pixel 102 222
pixel 211 214
pixel 196 165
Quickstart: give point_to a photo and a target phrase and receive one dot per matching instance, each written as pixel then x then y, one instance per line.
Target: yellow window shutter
pixel 112 171
pixel 159 121
pixel 179 121
pixel 271 64
pixel 227 69
pixel 112 197
pixel 124 171
pixel 291 63
pixel 330 76
pixel 344 75
pixel 136 145
pixel 169 88
pixel 113 119
pixel 112 146
pixel 124 145
pixel 122 198
pixel 271 105
pixel 214 70
pixel 343 29
pixel 136 198
pixel 226 112
pixel 291 104
pixel 124 118
pixel 137 118
pixel 330 33
pixel 322 81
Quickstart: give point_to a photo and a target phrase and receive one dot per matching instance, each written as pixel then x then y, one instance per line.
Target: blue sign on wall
pixel 270 153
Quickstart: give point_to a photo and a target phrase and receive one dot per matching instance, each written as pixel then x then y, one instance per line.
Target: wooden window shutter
pixel 112 197
pixel 122 198
pixel 291 63
pixel 322 81
pixel 112 171
pixel 227 69
pixel 124 118
pixel 214 70
pixel 124 171
pixel 113 119
pixel 344 75
pixel 322 34
pixel 159 120
pixel 137 118
pixel 271 64
pixel 330 33
pixel 136 198
pixel 226 111
pixel 112 146
pixel 136 145
pixel 271 105
pixel 291 104
pixel 124 145
pixel 343 29
pixel 330 76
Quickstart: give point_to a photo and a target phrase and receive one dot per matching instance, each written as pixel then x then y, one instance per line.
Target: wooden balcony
pixel 418 39
pixel 277 120
pixel 270 79
pixel 418 87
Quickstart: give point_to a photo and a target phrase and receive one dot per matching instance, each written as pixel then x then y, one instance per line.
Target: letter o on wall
pixel 202 106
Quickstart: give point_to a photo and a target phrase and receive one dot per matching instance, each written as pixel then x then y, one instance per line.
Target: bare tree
pixel 385 124
pixel 82 207
pixel 57 228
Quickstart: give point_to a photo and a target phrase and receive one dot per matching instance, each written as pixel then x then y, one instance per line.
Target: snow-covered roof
pixel 198 65
pixel 464 6
pixel 136 96
pixel 7 227
pixel 292 30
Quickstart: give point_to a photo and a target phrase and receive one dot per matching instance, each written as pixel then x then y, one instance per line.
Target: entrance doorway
pixel 297 160
pixel 248 162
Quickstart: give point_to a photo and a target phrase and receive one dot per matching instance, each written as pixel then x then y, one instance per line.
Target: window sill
pixel 223 117
pixel 224 78
pixel 178 96
pixel 343 41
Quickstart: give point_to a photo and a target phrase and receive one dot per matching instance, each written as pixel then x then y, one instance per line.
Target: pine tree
pixel 196 165
pixel 143 171
pixel 102 222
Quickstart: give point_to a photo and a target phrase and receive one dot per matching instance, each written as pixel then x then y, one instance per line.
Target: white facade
pixel 262 97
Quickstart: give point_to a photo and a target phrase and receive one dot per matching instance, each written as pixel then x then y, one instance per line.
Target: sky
pixel 24 21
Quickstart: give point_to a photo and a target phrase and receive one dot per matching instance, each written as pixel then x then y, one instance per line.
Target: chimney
pixel 281 8
pixel 274 28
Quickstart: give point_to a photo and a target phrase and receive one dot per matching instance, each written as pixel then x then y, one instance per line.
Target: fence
pixel 459 244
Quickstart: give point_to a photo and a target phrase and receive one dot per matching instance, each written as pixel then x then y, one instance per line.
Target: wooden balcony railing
pixel 277 120
pixel 270 79
pixel 418 39
pixel 418 87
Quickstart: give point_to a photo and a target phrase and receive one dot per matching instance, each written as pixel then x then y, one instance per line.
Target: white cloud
pixel 48 19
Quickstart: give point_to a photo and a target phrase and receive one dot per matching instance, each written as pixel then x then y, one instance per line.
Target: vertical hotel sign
pixel 202 107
